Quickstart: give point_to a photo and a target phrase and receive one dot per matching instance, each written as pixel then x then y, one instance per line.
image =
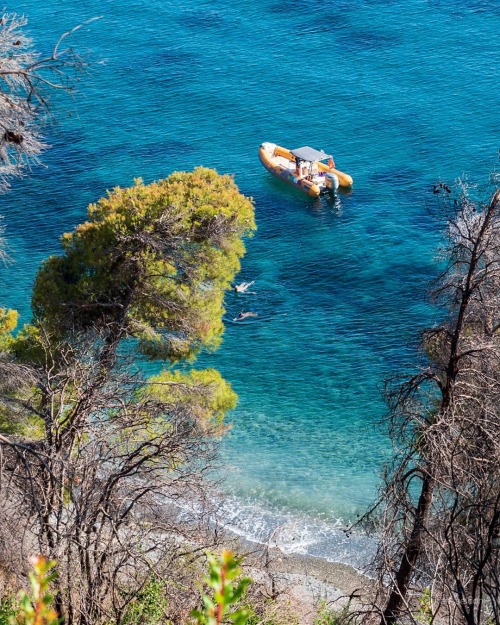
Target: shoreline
pixel 293 532
pixel 345 579
pixel 301 582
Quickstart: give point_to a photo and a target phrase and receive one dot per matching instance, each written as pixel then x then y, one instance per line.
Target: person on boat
pixel 297 166
pixel 243 287
pixel 244 315
pixel 331 163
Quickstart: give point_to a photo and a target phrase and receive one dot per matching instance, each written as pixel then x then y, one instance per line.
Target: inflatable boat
pixel 309 170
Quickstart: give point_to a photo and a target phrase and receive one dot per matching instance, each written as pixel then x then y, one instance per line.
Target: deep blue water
pixel 402 94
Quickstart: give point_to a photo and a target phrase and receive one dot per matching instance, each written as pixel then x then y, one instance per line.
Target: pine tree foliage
pixel 152 262
pixel 95 456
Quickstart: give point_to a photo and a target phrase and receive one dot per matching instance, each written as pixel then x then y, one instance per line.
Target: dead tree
pixel 27 79
pixel 99 492
pixel 439 525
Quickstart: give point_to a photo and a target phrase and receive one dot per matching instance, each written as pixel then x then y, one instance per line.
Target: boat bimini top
pixel 310 154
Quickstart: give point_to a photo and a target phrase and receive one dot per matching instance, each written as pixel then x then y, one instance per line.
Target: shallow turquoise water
pixel 403 94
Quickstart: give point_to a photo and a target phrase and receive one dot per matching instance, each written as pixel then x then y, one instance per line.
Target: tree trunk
pixel 410 555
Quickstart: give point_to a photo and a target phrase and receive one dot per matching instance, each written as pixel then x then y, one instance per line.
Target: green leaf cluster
pixel 36 607
pixel 205 393
pixel 154 260
pixel 227 590
pixel 335 616
pixel 424 614
pixel 11 422
pixel 148 606
pixel 8 610
pixel 8 322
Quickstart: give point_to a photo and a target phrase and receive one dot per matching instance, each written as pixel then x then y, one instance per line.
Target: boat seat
pixel 284 162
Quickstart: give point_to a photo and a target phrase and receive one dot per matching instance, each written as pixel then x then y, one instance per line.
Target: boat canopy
pixel 309 154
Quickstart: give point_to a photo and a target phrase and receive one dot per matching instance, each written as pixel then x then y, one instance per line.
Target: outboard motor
pixel 331 181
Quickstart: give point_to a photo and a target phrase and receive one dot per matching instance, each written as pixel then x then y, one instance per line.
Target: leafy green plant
pixel 227 591
pixel 8 321
pixel 7 610
pixel 334 616
pixel 424 612
pixel 35 608
pixel 149 605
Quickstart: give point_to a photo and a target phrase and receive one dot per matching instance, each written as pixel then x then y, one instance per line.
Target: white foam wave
pixel 294 533
pixel 287 531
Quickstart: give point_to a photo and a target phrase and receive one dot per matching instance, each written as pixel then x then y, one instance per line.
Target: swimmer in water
pixel 244 315
pixel 243 287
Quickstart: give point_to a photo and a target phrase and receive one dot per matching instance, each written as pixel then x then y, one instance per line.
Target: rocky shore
pixel 303 583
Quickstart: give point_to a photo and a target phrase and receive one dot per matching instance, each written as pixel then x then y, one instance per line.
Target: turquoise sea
pixel 402 93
